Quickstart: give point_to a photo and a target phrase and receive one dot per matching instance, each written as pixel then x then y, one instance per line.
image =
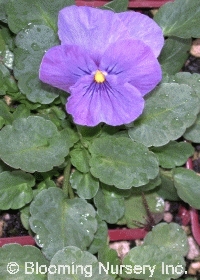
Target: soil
pixel 10 224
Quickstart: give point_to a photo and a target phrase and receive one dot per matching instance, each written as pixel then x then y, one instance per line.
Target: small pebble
pixel 167 206
pixel 6 217
pixel 122 248
pixel 187 229
pixel 8 100
pixel 139 242
pixel 194 268
pixel 59 181
pixel 194 250
pixel 168 217
pixel 195 49
pixel 1 227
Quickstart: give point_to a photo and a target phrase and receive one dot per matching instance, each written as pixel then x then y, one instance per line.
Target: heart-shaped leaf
pixel 76 264
pixel 22 262
pixel 172 236
pixel 169 110
pixel 110 207
pixel 33 144
pixel 21 13
pixel 174 54
pixel 160 256
pixel 173 154
pixel 32 43
pixel 177 18
pixel 85 184
pixel 122 162
pixel 153 262
pixel 135 209
pixel 59 222
pixel 80 159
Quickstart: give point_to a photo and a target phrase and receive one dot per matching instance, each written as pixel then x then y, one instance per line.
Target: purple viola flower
pixel 107 62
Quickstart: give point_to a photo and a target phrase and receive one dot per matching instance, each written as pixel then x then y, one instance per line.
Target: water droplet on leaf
pixel 35 47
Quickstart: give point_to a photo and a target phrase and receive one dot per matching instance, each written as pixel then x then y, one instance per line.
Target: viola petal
pixel 92 28
pixel 63 65
pixel 112 102
pixel 142 27
pixel 132 61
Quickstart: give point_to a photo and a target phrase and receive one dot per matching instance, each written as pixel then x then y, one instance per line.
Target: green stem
pixel 67 189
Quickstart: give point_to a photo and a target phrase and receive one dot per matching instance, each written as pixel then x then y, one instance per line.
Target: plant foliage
pixel 70 182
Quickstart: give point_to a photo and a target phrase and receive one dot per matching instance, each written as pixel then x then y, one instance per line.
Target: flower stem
pixel 67 189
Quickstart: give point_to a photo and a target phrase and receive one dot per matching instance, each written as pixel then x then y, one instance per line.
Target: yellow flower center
pixel 99 77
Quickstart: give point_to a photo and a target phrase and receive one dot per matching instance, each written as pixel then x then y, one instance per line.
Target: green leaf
pixel 32 43
pixel 21 112
pixel 6 43
pixel 33 144
pixel 76 264
pixel 193 80
pixel 180 18
pixel 100 237
pixel 2 10
pixel 85 184
pixel 169 110
pixel 117 5
pixel 22 12
pixel 88 133
pixel 174 54
pixel 135 209
pixel 192 133
pixel 160 256
pixel 60 222
pixel 110 207
pixel 149 186
pixel 122 162
pixel 5 113
pixel 7 82
pixel 15 189
pixel 187 183
pixel 24 217
pixel 2 42
pixel 80 159
pixel 186 78
pixel 173 154
pixel 167 189
pixel 172 236
pixel 55 114
pixel 20 98
pixel 22 261
pixel 2 122
pixel 4 167
pixel 188 278
pixel 108 257
pixel 47 183
pixel 153 262
pixel 7 36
